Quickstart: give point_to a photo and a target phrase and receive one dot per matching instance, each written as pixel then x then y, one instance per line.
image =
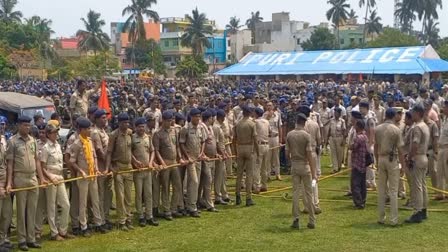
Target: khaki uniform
pixel 222 166
pixel 56 195
pixel 380 114
pixel 80 103
pixel 141 150
pixel 298 143
pixel 261 171
pixel 245 133
pixel 100 140
pixel 274 142
pixel 370 122
pixel 23 153
pixel 420 136
pixel 336 137
pixel 5 200
pixel 74 191
pixel 432 158
pixel 325 119
pixel 192 137
pixel 41 210
pixel 312 128
pixel 166 143
pixel 87 188
pixel 442 164
pixel 120 148
pixel 388 139
pixel 406 134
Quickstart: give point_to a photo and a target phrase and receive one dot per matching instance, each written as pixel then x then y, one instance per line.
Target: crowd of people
pixel 182 135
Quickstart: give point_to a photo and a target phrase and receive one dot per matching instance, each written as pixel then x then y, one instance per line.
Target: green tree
pixel 43 32
pixel 7 13
pixel 195 35
pixel 321 39
pixel 393 38
pixel 352 14
pixel 93 38
pixel 254 19
pixel 406 15
pixel 431 35
pixel 191 67
pixel 370 4
pixel 427 11
pixel 336 14
pixel 234 25
pixel 442 50
pixel 94 67
pixel 147 53
pixel 373 24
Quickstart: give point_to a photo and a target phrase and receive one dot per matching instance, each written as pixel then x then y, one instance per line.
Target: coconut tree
pixel 252 21
pixel 373 24
pixel 406 15
pixel 234 25
pixel 431 35
pixel 370 4
pixel 338 12
pixel 195 35
pixel 352 14
pixel 93 38
pixel 7 13
pixel 428 11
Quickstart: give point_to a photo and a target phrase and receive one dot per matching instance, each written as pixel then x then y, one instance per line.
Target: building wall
pixel 217 52
pixel 350 35
pixel 237 43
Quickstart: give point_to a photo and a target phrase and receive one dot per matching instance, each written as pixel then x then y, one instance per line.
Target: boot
pixel 424 214
pixel 238 200
pixel 249 202
pixel 415 218
pixel 295 224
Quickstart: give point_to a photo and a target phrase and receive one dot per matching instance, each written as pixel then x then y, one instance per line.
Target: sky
pixel 66 14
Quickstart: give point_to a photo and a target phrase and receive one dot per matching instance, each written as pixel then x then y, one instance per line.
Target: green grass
pixel 265 227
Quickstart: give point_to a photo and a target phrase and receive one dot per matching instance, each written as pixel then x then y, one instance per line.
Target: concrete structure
pixel 350 35
pixel 238 42
pixel 68 48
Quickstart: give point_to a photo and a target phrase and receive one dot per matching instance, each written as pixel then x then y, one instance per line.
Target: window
pixel 175 42
pixel 342 41
pixel 166 59
pixel 166 43
pixel 298 41
pixel 360 40
pixel 228 43
pixel 352 40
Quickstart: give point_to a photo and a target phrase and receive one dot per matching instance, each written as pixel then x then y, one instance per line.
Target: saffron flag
pixel 103 102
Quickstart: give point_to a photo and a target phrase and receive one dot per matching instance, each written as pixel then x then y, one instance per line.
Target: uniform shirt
pixel 226 130
pixel 23 153
pixel 78 156
pixel 326 116
pixel 193 137
pixel 337 127
pixel 275 122
pixel 210 149
pixel 420 137
pixel 379 114
pixel 165 142
pixel 343 111
pixel 433 133
pixel 3 167
pixel 120 147
pixel 406 134
pixel 100 141
pixel 388 138
pixel 443 139
pixel 80 103
pixel 157 115
pixel 312 128
pixel 231 121
pixel 51 155
pixel 70 141
pixel 245 132
pixel 142 148
pixel 262 128
pixel 298 143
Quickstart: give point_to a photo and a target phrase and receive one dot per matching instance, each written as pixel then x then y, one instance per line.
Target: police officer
pixel 245 138
pixel 119 159
pixel 261 165
pixel 433 148
pixel 51 159
pixel 143 158
pixel 442 165
pixel 388 152
pixel 220 176
pixel 41 210
pixel 100 140
pixel 191 140
pixel 23 165
pixel 79 101
pixel 5 200
pixel 303 169
pixel 83 160
pixel 336 136
pixel 370 123
pixel 417 163
pixel 275 123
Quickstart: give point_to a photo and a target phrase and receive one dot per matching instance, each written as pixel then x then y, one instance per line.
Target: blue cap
pixel 99 113
pixel 222 105
pixel 176 101
pixel 92 110
pixel 140 121
pixel 364 104
pixel 213 112
pixel 206 115
pixel 220 113
pixel 167 115
pixel 194 112
pixel 23 119
pixel 123 117
pixel 83 123
pixel 356 114
pixel 259 112
pixel 304 110
pixel 391 112
pixel 179 117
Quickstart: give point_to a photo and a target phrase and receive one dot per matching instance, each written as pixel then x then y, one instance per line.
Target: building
pixel 68 48
pixel 237 43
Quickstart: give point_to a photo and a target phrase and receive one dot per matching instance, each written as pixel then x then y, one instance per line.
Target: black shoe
pixel 221 202
pixel 249 202
pixel 33 245
pixel 7 245
pixel 107 226
pixel 23 246
pixel 213 210
pixel 100 229
pixel 85 233
pixel 155 212
pixel 227 200
pixel 176 214
pixel 76 231
pixel 238 200
pixel 168 217
pixel 295 224
pixel 424 214
pixel 415 218
pixel 142 222
pixel 153 222
pixel 195 214
pixel 311 226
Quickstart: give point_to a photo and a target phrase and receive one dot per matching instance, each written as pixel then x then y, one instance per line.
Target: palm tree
pixel 428 11
pixel 195 35
pixel 337 13
pixel 373 24
pixel 7 13
pixel 135 24
pixel 252 21
pixel 234 25
pixel 370 4
pixel 93 38
pixel 431 35
pixel 352 14
pixel 406 15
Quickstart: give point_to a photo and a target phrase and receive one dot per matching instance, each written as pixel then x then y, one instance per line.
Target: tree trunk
pixel 338 39
pixel 365 25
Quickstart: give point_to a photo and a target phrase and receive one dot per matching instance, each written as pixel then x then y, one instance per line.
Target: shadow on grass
pixel 283 228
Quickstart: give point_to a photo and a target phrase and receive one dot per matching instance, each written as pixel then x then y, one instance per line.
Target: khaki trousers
pixel 432 169
pixel 193 177
pixel 143 192
pixel 105 195
pixel 155 189
pixel 88 190
pixel 5 218
pixel 26 204
pixel 74 204
pixel 245 162
pixel 205 185
pixel 229 161
pixel 171 177
pixel 418 186
pixel 57 196
pixel 337 152
pixel 41 211
pixel 273 156
pixel 301 174
pixel 261 167
pixel 315 195
pixel 388 179
pixel 123 189
pixel 442 168
pixel 219 180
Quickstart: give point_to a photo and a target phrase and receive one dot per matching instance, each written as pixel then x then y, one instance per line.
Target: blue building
pixel 217 52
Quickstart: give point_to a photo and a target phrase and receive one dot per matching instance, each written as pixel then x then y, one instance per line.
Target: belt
pixel 263 143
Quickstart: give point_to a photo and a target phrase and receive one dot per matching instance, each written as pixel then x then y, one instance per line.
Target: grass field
pixel 266 227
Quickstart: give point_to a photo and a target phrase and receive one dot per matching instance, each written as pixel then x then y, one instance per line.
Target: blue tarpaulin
pixel 396 60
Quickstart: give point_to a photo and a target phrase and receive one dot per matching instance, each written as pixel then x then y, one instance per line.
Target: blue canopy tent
pixel 395 60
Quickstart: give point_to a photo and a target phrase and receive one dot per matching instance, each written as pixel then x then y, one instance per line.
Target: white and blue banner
pixel 399 60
